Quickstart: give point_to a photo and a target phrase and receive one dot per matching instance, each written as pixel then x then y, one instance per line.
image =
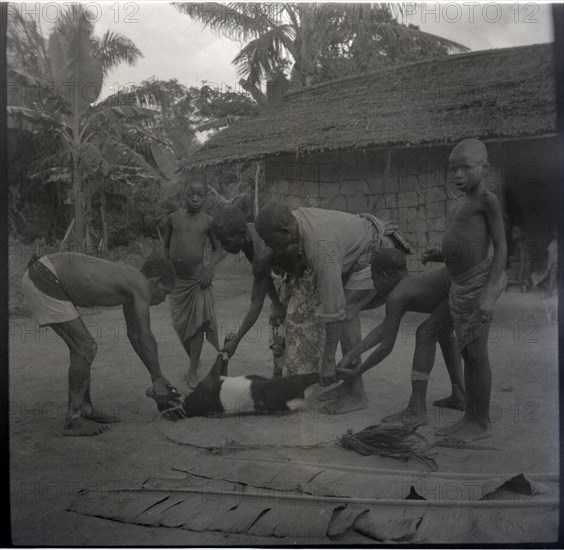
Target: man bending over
pixel 56 283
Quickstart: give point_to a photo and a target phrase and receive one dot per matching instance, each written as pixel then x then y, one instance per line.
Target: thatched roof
pixel 503 93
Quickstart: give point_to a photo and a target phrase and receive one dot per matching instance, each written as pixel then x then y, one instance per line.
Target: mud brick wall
pixel 407 186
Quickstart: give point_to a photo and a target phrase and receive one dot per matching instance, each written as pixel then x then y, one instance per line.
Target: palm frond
pixel 237 21
pixel 263 55
pixel 114 48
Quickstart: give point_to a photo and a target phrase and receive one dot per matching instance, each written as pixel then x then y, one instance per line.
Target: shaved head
pixel 272 218
pixel 229 221
pixel 471 149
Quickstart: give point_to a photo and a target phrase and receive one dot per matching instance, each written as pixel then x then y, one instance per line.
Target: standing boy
pixel 192 304
pixel 476 280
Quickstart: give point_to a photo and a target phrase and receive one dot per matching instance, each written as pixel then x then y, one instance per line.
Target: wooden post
pixel 67 233
pixel 256 205
pixel 387 168
pixel 104 223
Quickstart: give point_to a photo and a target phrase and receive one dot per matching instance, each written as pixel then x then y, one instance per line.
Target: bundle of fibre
pixel 394 441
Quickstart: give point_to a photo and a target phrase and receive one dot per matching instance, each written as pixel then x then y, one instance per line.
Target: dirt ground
pixel 48 469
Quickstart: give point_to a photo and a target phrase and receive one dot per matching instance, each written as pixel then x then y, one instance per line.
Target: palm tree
pixel 75 62
pixel 310 35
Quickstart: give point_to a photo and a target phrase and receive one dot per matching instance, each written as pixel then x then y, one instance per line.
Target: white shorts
pixel 45 309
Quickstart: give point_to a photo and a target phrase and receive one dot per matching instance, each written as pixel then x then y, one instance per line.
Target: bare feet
pixel 98 416
pixel 453 401
pixel 410 416
pixel 345 403
pixel 78 427
pixel 191 376
pixel 450 428
pixel 466 431
pixel 332 394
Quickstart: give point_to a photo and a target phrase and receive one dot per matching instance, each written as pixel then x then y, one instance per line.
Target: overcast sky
pixel 174 46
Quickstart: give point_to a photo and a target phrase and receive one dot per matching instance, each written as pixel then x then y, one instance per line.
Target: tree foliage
pixel 320 41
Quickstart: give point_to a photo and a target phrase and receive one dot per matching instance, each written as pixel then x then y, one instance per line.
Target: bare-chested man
pixel 476 280
pixel 422 293
pixel 54 284
pixel 192 304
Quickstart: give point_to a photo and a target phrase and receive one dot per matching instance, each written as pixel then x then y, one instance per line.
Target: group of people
pixel 345 262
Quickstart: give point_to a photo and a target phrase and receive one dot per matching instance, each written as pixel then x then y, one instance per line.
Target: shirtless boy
pixel 476 280
pixel 192 304
pixel 424 293
pixel 54 284
pixel 231 229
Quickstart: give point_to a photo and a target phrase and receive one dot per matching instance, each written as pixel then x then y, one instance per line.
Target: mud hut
pixel 379 142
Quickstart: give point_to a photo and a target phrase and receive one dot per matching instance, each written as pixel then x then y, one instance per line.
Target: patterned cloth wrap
pixel 191 308
pixel 297 344
pixel 464 294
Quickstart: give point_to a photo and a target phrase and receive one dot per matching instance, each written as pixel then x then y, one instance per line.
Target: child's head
pixel 517 233
pixel 195 193
pixel 229 226
pixel 466 164
pixel 388 267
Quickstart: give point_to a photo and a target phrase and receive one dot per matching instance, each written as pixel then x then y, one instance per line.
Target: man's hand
pixel 170 402
pixel 484 310
pixel 345 362
pixel 160 389
pixel 230 346
pixel 207 276
pixel 328 373
pixel 344 373
pixel 431 256
pixel 348 367
pixel 277 315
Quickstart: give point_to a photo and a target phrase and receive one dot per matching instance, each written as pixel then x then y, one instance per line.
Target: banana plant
pixel 92 141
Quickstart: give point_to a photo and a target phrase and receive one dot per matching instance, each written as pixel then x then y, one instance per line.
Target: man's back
pixel 332 236
pixel 91 281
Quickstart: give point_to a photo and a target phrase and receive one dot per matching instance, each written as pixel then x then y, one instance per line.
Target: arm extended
pixel 261 282
pixel 143 342
pixel 384 336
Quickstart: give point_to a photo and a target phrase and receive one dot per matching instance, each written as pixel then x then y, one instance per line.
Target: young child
pixel 192 304
pixel 476 280
pixel 424 293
